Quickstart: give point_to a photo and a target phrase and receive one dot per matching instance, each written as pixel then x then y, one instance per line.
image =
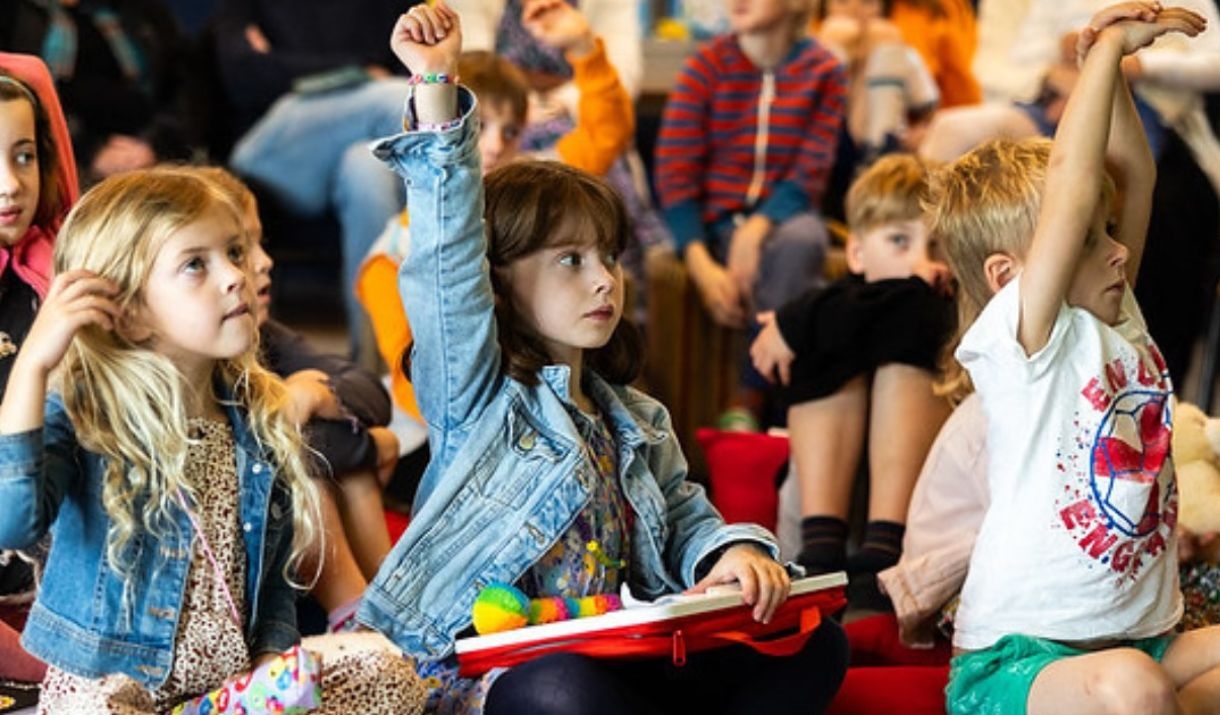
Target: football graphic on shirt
pixel 1129 451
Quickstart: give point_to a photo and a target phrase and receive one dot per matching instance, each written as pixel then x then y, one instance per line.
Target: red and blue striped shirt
pixel 737 140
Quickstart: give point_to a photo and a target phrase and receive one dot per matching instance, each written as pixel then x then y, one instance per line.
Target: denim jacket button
pixel 527 441
pixel 258 467
pixel 247 527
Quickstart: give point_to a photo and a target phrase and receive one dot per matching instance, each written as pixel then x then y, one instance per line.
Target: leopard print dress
pixel 210 646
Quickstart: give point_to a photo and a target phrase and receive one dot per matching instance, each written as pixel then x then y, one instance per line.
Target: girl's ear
pixel 999 268
pixel 855 254
pixel 132 327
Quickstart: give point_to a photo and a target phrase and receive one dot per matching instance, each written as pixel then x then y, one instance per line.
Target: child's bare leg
pixel 904 418
pixel 827 436
pixel 1118 680
pixel 363 515
pixel 1193 662
pixel 340 583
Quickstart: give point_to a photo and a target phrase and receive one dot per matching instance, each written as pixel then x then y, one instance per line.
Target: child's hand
pixel 716 288
pixel 557 24
pixel 937 275
pixel 75 299
pixel 745 251
pixel 1139 24
pixel 386 443
pixel 310 396
pixel 428 39
pixel 764 582
pixel 770 352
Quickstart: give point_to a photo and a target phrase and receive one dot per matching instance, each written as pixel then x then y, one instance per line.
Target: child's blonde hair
pixel 237 189
pixel 893 189
pixel 984 203
pixel 126 401
pixel 987 202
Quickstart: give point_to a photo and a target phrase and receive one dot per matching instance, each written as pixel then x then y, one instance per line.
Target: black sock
pixel 881 547
pixel 823 544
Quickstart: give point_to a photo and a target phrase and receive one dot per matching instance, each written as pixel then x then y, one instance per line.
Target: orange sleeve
pixel 605 120
pixel 946 45
pixel 377 290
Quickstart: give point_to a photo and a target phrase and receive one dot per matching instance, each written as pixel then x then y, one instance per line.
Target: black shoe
pixel 864 594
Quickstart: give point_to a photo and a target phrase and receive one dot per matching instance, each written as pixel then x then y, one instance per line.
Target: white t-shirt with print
pixel 1078 543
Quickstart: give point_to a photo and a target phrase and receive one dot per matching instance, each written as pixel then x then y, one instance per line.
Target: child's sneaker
pixel 737 419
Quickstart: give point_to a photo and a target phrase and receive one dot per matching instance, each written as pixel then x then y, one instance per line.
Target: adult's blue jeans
pixel 312 151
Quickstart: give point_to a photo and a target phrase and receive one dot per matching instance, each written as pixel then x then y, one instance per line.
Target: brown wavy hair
pixel 534 204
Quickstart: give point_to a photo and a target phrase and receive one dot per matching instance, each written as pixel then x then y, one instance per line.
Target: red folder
pixel 669 628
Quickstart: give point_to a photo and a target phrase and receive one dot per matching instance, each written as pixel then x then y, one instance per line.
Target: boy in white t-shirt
pixel 1072 592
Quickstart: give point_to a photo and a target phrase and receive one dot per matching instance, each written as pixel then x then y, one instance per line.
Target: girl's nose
pixel 234 277
pixel 9 183
pixel 604 278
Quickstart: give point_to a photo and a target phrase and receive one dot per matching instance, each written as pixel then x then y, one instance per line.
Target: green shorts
pixel 998 679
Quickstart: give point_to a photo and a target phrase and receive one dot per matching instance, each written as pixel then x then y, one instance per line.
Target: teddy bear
pixel 1196 456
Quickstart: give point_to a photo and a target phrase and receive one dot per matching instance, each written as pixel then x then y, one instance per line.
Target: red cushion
pixel 887 677
pixel 742 467
pixel 395 523
pixel 907 689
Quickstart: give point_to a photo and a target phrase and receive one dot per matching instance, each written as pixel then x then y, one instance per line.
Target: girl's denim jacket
pixel 88 619
pixel 509 471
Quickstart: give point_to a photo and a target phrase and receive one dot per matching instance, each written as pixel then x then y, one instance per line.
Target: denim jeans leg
pixel 311 150
pixel 366 194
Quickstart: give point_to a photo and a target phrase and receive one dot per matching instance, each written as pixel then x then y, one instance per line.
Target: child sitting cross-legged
pixel 857 361
pixel 1072 594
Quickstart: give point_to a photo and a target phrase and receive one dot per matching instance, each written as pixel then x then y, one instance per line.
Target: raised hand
pixel 428 39
pixel 1140 23
pixel 557 24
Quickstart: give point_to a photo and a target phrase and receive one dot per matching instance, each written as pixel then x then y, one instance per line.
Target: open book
pixel 670 626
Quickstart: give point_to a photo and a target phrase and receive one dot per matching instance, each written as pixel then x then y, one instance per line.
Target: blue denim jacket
pixel 509 472
pixel 88 619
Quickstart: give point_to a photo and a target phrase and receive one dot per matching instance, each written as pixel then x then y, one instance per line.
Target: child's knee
pixel 1131 682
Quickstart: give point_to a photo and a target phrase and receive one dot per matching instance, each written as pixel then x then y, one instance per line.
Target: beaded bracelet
pixel 432 78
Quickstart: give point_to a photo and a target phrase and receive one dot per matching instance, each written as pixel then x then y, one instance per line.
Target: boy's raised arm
pixel 1076 170
pixel 1128 155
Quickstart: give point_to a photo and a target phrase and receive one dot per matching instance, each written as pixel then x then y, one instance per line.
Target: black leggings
pixel 733 679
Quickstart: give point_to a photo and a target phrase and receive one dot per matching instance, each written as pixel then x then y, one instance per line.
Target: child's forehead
pixel 881 228
pixel 497 111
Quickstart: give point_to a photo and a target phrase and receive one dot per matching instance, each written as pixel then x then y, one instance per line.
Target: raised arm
pixel 605 121
pixel 1076 170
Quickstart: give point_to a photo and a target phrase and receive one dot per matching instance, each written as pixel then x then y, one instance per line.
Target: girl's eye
pixel 193 265
pixel 900 240
pixel 571 259
pixel 27 158
pixel 237 253
pixel 610 260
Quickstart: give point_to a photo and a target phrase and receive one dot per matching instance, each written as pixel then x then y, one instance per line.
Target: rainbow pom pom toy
pixel 501 607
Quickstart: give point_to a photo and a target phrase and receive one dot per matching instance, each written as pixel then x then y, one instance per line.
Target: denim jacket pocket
pixel 507 467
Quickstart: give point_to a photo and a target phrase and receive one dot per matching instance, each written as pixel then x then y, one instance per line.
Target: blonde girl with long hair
pixel 140 430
